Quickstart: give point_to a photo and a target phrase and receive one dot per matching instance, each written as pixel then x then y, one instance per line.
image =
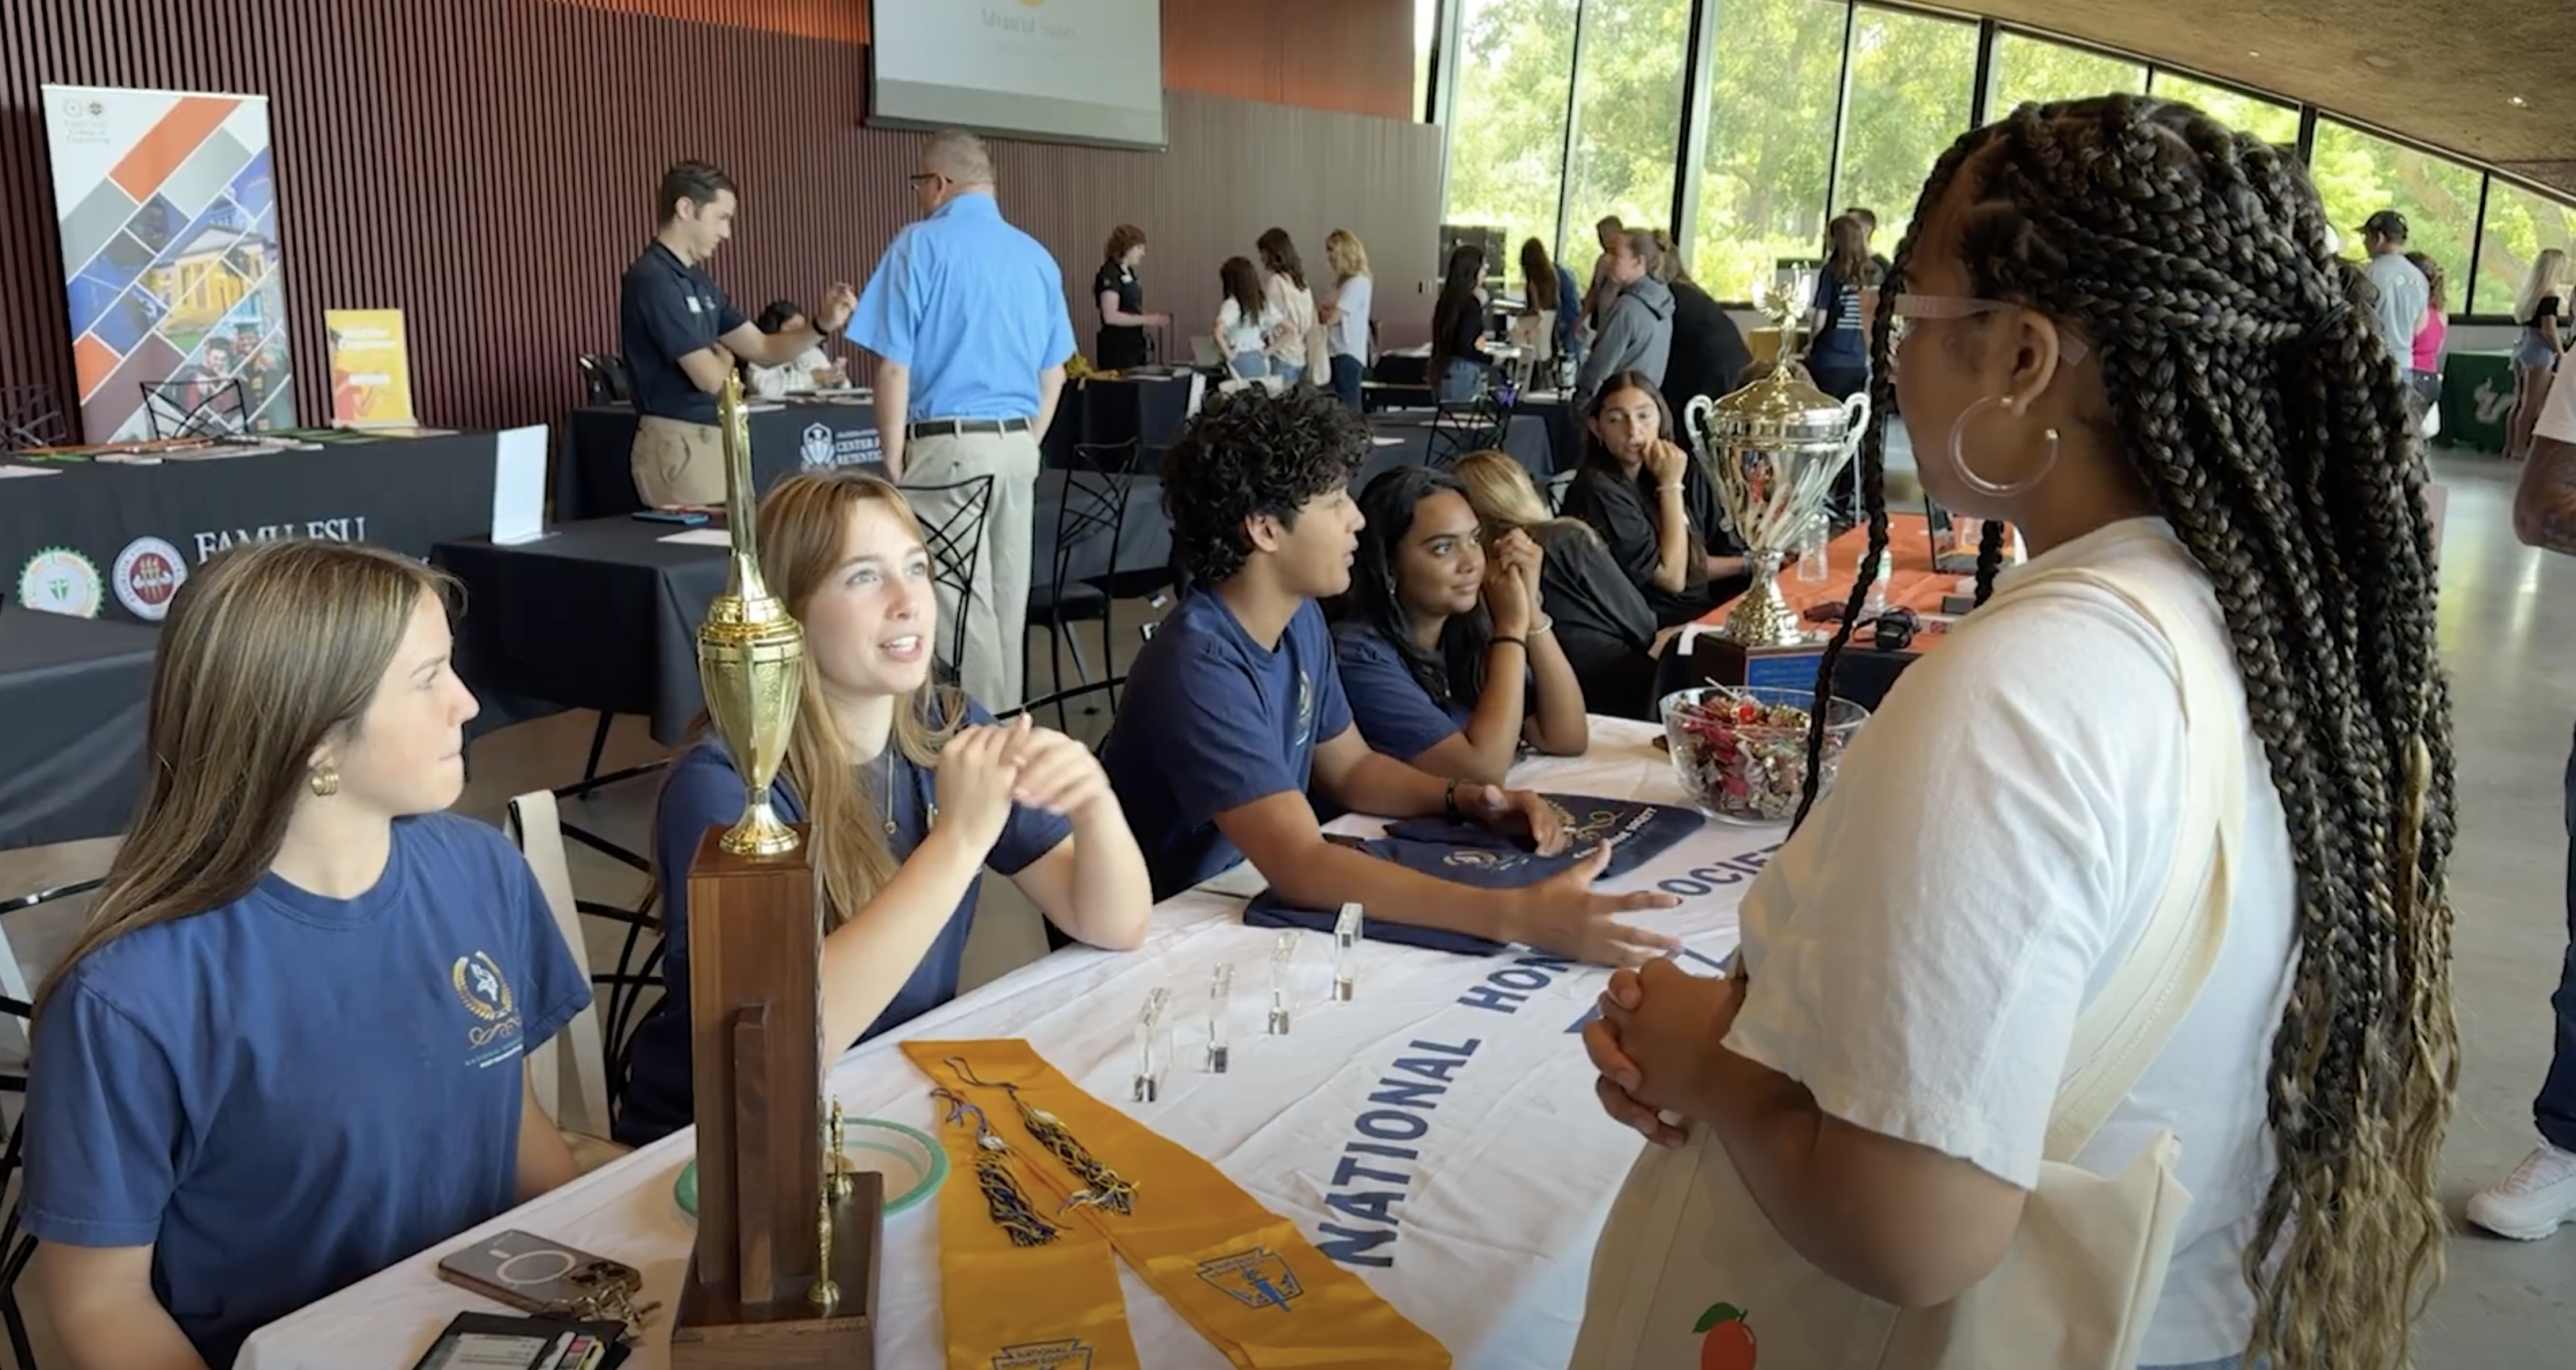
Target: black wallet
pixel 489 1341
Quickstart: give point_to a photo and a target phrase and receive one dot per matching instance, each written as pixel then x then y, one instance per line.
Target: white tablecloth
pixel 1484 1239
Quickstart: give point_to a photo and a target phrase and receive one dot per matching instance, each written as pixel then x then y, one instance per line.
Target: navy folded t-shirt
pixel 1471 854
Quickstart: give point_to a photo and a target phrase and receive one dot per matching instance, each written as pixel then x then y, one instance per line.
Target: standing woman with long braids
pixel 289 1048
pixel 2122 332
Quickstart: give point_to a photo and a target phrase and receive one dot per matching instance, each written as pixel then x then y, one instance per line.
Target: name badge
pixel 693 305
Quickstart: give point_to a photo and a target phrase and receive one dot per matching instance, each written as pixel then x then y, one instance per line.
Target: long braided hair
pixel 2256 403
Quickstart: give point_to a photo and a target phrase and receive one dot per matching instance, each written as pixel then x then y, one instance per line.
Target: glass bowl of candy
pixel 1741 751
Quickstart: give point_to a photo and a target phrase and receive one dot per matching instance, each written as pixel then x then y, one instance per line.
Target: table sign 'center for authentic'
pixel 784 1273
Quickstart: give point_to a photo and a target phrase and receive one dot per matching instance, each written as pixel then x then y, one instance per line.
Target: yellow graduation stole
pixel 1243 1276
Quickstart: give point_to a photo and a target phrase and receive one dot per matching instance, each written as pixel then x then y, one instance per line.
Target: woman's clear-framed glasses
pixel 1910 308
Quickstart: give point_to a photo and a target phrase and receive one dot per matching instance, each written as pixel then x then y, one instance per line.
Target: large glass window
pixel 1507 124
pixel 1627 119
pixel 2269 120
pixel 1764 177
pixel 2358 175
pixel 1912 78
pixel 2519 225
pixel 2035 71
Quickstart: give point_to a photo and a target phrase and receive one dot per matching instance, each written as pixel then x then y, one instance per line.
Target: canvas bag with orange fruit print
pixel 1691 1273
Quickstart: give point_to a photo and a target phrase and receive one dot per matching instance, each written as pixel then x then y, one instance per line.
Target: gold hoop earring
pixel 324 783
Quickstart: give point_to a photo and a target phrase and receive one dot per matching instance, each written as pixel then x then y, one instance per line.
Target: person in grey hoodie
pixel 1638 334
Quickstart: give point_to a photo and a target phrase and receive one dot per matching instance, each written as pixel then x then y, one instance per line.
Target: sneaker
pixel 2534 1200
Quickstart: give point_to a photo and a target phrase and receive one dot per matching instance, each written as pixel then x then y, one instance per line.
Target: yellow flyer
pixel 370 369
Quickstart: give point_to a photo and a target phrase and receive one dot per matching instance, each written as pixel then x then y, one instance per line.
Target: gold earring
pixel 324 782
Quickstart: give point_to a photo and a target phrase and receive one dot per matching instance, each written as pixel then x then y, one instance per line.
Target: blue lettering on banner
pixel 1505 990
pixel 1706 880
pixel 1365 1188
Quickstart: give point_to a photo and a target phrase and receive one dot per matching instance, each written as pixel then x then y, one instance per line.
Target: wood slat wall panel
pixel 487 167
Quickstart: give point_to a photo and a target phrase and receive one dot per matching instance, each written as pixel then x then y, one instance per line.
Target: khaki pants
pixel 997 614
pixel 678 463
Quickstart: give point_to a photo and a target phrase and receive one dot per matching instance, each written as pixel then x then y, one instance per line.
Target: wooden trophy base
pixel 716 1331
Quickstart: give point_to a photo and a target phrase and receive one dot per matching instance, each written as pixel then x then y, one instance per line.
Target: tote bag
pixel 1690 1274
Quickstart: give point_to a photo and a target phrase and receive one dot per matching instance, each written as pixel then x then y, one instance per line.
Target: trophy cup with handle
pixel 1773 450
pixel 784 1269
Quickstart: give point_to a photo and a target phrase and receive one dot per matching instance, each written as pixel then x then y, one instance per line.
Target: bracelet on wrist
pixel 1502 638
pixel 1449 802
pixel 1546 624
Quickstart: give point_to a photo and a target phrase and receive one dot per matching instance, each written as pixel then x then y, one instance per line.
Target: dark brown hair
pixel 1847 251
pixel 1280 256
pixel 1540 274
pixel 1122 240
pixel 2252 398
pixel 695 182
pixel 1242 283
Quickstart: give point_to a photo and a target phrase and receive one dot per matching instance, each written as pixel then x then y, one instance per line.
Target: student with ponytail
pixel 909 791
pixel 2118 326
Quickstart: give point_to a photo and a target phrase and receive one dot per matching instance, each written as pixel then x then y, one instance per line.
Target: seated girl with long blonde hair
pixel 909 791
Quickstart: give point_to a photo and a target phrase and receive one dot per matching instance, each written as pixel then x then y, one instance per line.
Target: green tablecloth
pixel 2477 398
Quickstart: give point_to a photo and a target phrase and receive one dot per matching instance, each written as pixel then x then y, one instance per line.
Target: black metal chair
pixel 17 1247
pixel 604 379
pixel 1462 427
pixel 32 416
pixel 1088 526
pixel 956 544
pixel 195 409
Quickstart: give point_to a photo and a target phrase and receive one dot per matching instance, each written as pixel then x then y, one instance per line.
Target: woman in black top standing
pixel 1458 359
pixel 1653 505
pixel 1121 297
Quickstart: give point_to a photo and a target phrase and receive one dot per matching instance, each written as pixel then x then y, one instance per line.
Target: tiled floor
pixel 2512 656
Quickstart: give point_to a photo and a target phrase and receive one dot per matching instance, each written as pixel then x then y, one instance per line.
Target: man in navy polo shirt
pixel 681 336
pixel 967 317
pixel 1236 708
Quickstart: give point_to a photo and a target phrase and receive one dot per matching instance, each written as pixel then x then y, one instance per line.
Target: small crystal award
pixel 1346 952
pixel 1153 1046
pixel 1283 955
pixel 1220 1017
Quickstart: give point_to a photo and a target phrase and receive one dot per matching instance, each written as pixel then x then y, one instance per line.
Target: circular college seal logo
pixel 147 574
pixel 59 580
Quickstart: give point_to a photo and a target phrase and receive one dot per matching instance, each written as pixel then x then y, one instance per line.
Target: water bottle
pixel 1815 566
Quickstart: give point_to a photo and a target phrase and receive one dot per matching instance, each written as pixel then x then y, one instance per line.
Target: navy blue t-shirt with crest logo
pixel 1212 720
pixel 289 1093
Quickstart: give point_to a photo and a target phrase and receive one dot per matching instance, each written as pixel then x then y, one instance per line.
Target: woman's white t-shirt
pixel 1349 330
pixel 1997 837
pixel 1235 334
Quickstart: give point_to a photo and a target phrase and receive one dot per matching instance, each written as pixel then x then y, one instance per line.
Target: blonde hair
pixel 271 650
pixel 804 525
pixel 1500 491
pixel 2548 277
pixel 1345 254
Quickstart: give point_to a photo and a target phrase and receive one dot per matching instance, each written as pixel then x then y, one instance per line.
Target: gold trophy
pixel 751 652
pixel 1774 450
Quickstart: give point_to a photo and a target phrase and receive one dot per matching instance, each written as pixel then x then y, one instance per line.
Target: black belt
pixel 950 428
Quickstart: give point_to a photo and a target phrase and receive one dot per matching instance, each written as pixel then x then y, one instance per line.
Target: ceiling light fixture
pixel 2381 60
pixel 2516 101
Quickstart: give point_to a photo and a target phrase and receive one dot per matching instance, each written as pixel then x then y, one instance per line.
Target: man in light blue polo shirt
pixel 966 315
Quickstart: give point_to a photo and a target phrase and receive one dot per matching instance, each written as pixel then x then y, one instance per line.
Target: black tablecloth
pixel 1149 412
pixel 402 493
pixel 596 477
pixel 73 693
pixel 604 615
pixel 1526 440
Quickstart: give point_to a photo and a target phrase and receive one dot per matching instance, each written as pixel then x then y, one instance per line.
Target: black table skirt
pixel 74 692
pixel 1146 412
pixel 1526 440
pixel 596 476
pixel 401 493
pixel 604 615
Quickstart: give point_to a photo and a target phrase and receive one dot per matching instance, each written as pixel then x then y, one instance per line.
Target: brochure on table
pixel 370 368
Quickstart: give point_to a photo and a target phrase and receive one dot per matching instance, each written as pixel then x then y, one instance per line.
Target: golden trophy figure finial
pixel 825 1294
pixel 751 652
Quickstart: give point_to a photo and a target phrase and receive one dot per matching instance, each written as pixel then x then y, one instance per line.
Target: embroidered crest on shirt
pixel 1068 1354
pixel 1258 1278
pixel 485 992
